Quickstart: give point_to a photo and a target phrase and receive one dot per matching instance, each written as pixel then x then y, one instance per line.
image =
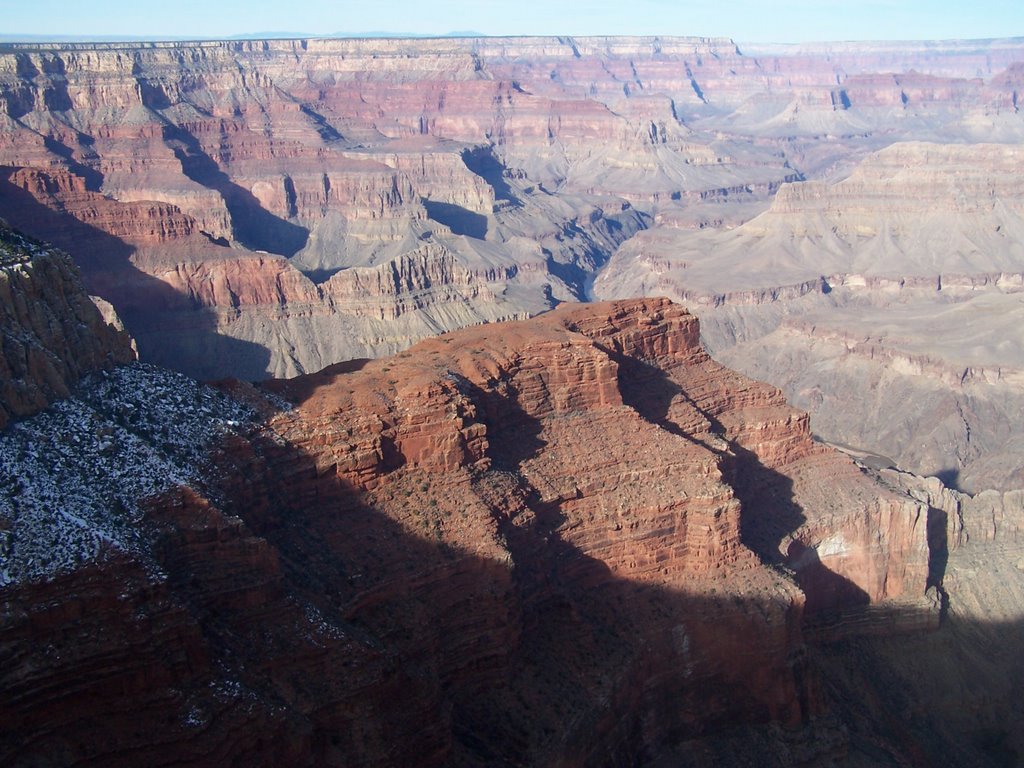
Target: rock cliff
pixel 573 540
pixel 166 169
pixel 898 284
pixel 53 334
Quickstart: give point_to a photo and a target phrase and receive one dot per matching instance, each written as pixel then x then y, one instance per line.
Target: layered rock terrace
pixel 167 169
pixel 387 569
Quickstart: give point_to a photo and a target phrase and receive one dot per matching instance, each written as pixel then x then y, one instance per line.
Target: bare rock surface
pixel 963 680
pixel 52 334
pixel 571 540
pixel 271 207
pixel 846 217
pixel 897 287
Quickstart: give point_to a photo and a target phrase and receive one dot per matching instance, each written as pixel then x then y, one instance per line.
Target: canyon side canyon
pixel 428 508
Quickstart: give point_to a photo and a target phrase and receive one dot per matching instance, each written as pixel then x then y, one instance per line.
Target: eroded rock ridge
pixel 572 540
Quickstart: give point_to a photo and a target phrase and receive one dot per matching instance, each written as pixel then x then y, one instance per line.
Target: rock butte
pixel 573 540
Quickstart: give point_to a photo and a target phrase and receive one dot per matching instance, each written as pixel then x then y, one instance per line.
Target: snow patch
pixel 72 477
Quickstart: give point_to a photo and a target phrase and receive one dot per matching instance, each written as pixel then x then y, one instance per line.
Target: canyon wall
pixel 898 285
pixel 53 334
pixel 379 564
pixel 575 540
pixel 847 219
pixel 211 190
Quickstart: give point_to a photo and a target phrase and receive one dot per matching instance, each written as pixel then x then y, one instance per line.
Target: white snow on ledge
pixel 71 477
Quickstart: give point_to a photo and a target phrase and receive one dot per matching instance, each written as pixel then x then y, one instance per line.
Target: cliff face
pixel 166 169
pixel 900 282
pixel 540 542
pixel 53 334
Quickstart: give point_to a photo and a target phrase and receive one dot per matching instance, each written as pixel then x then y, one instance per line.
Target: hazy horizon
pixel 749 21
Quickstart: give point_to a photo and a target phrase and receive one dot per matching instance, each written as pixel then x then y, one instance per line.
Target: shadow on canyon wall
pixel 314 629
pixel 950 477
pixel 255 227
pixel 170 328
pixel 461 221
pixel 556 660
pixel 481 161
pixel 770 512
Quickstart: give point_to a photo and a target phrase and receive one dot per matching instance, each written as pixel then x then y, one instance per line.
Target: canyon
pixel 431 510
pixel 270 207
pixel 570 540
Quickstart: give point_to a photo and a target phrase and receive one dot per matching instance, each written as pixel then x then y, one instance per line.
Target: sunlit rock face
pixel 897 286
pixel 575 539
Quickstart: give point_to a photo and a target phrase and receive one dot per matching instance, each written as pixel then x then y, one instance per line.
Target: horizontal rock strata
pixel 539 542
pixel 52 333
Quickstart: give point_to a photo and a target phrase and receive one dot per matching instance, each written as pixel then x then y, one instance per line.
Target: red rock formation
pixel 514 155
pixel 52 333
pixel 525 542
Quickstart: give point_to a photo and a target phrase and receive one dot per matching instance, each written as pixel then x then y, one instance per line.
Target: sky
pixel 743 20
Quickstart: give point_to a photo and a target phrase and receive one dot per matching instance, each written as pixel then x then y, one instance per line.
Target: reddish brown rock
pixel 538 542
pixel 52 333
pixel 527 161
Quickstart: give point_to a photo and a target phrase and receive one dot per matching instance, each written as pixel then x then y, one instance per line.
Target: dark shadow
pixel 570 273
pixel 938 555
pixel 439 618
pixel 254 226
pixel 825 589
pixel 222 242
pixel 482 162
pixel 170 328
pixel 950 477
pixel 152 95
pixel 938 546
pixel 321 276
pixel 93 178
pixel 303 387
pixel 459 220
pixel 770 513
pixel 327 131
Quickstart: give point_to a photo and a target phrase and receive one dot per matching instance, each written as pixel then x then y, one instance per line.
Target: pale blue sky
pixel 743 20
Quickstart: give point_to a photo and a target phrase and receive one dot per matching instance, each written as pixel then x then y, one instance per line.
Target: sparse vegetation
pixel 73 478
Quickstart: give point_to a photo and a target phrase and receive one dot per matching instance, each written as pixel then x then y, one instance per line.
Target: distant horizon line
pixel 29 39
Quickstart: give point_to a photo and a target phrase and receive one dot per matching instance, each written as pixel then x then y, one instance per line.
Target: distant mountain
pixel 62 38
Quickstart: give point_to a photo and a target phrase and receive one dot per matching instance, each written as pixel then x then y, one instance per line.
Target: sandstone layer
pixel 898 286
pixel 575 540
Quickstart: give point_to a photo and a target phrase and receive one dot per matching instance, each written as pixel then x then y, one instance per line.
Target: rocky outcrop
pixel 562 541
pixel 989 517
pixel 899 282
pixel 52 332
pixel 896 691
